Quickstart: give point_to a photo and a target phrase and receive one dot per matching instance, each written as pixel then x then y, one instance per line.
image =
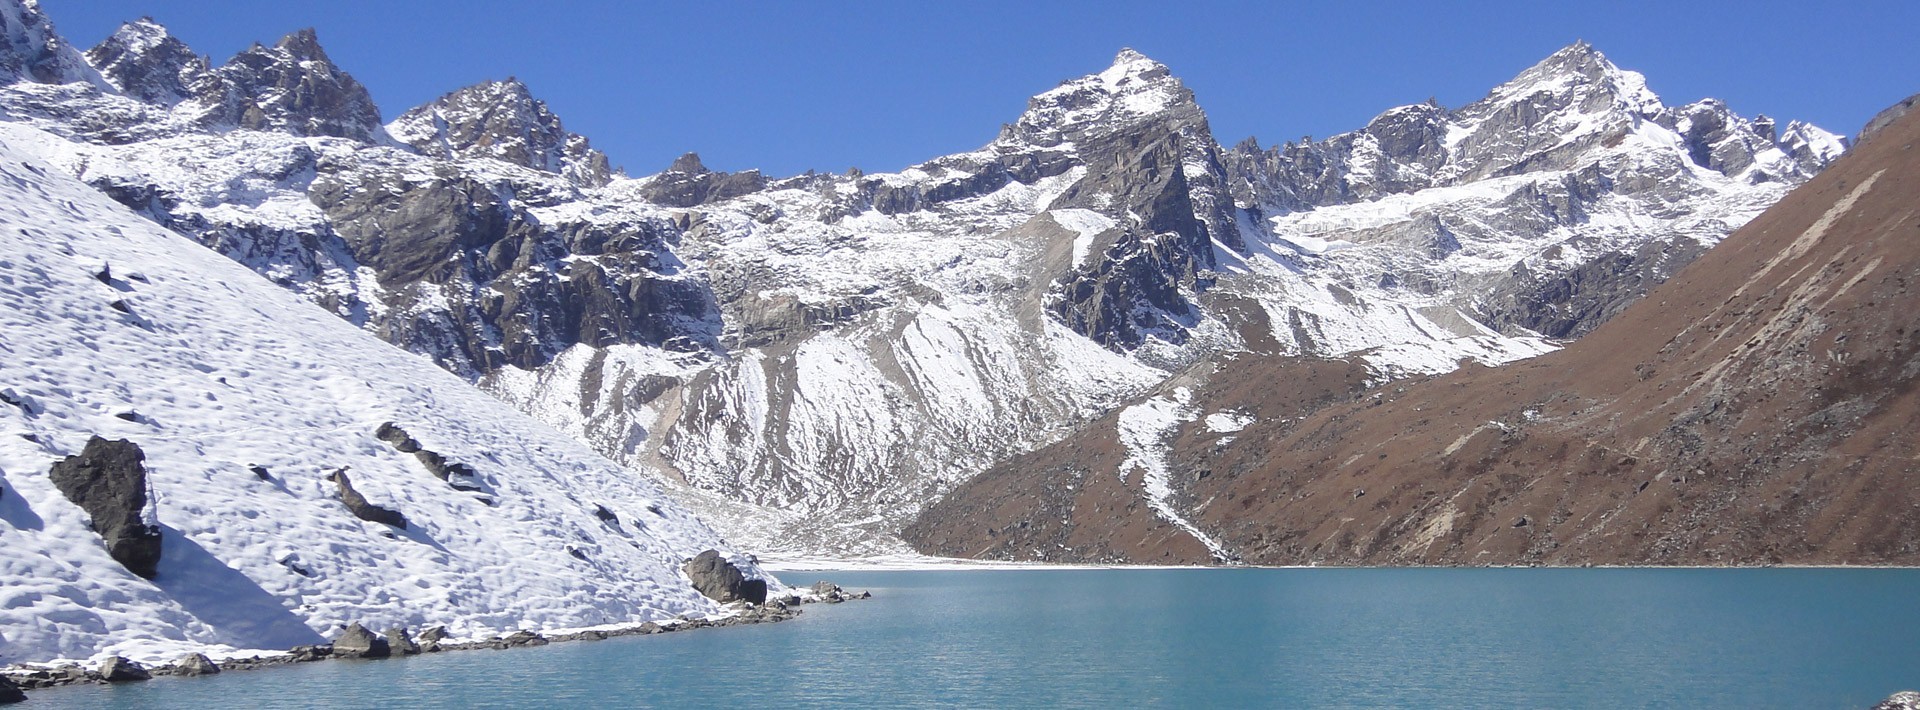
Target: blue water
pixel 1188 638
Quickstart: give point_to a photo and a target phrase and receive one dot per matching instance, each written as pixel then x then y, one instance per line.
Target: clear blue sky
pixel 790 86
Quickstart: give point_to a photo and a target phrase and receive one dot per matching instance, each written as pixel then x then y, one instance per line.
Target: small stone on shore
pixel 118 669
pixel 358 642
pixel 401 642
pixel 195 664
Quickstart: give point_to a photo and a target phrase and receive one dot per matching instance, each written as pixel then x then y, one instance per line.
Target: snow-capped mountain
pixel 256 412
pixel 812 359
pixel 1756 409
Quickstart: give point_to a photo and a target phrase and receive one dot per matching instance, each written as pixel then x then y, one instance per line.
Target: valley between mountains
pixel 1515 331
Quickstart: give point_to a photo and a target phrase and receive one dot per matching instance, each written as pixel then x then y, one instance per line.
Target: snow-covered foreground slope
pixel 213 371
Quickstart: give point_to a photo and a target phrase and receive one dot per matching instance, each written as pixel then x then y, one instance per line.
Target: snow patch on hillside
pixel 1145 429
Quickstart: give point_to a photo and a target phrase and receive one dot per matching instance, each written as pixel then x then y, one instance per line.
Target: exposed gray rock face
pixel 1149 156
pixel 470 275
pixel 147 63
pixel 109 480
pixel 10 693
pixel 688 183
pixel 31 50
pixel 116 669
pixel 717 578
pixel 360 507
pixel 357 642
pixel 1886 117
pixel 399 641
pixel 292 87
pixel 503 121
pixel 195 664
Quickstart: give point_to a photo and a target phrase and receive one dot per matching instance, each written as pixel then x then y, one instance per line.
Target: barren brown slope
pixel 1076 501
pixel 1758 408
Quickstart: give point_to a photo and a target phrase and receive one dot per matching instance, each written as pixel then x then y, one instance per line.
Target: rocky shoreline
pixel 357 642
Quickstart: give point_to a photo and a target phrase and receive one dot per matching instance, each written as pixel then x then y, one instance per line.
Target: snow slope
pixel 213 370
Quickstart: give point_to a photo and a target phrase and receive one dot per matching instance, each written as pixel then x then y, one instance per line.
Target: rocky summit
pixel 811 360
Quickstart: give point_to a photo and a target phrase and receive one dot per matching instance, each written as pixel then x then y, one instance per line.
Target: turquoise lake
pixel 1559 638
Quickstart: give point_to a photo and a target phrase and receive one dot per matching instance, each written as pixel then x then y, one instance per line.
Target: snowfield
pixel 212 370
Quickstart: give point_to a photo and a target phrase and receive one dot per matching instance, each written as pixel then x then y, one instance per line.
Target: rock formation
pixel 108 479
pixel 721 581
pixel 357 642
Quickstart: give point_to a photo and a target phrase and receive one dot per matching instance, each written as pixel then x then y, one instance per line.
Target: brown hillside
pixel 1757 408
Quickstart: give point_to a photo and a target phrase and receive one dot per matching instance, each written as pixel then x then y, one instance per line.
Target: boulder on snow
pixel 717 578
pixel 116 669
pixel 108 480
pixel 359 505
pixel 195 664
pixel 10 693
pixel 358 642
pixel 401 642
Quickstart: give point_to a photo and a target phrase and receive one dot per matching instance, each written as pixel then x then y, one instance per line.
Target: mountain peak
pixel 688 163
pixel 31 50
pixel 1133 88
pixel 1129 66
pixel 290 87
pixel 1578 74
pixel 147 62
pixel 303 43
pixel 500 120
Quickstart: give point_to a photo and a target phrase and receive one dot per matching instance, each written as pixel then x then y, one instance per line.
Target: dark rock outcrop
pixel 9 692
pixel 108 479
pixel 116 669
pixel 357 642
pixel 717 578
pixel 195 664
pixel 359 505
pixel 688 183
pixel 458 475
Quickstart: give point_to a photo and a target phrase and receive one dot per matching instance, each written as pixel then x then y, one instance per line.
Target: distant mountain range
pixel 809 361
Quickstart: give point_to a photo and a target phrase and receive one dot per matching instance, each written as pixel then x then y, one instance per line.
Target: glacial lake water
pixel 1560 638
